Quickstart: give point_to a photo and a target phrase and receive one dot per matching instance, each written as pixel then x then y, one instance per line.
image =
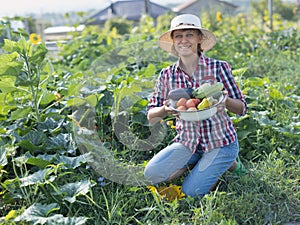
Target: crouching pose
pixel 208 148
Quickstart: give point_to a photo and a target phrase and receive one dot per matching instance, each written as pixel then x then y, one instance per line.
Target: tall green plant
pixel 24 73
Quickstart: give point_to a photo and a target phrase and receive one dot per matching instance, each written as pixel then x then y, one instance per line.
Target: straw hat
pixel 186 21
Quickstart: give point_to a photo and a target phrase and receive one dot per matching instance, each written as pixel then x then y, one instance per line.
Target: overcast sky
pixel 21 7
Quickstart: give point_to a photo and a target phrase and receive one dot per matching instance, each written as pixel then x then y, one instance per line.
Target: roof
pixel 63 29
pixel 229 4
pixel 128 9
pixel 183 5
pixel 191 2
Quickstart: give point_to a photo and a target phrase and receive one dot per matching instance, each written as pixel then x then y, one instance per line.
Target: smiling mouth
pixel 184 47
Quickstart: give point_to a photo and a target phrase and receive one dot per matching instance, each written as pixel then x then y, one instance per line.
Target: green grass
pixel 268 194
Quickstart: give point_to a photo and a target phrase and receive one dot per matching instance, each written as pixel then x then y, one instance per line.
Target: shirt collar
pixel 201 62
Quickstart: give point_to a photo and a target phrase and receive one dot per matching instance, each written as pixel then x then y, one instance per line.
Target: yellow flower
pixel 152 188
pixel 35 38
pixel 170 123
pixel 57 96
pixel 173 127
pixel 170 193
pixel 219 16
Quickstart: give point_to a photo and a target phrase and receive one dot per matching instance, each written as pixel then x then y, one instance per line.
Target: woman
pixel 209 147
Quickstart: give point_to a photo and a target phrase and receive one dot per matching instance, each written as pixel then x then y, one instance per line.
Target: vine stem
pixel 34 90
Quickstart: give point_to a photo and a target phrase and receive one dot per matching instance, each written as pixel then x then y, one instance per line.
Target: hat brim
pixel 165 41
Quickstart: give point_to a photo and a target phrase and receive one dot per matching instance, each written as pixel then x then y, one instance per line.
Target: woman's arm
pixel 156 114
pixel 235 101
pixel 234 105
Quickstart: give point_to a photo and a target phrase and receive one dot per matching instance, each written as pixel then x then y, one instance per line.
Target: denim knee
pixel 153 175
pixel 191 192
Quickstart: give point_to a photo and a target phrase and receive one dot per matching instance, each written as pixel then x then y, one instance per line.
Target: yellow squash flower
pixel 170 123
pixel 169 193
pixel 35 38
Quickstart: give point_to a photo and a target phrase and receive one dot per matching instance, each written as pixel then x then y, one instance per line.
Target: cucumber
pixel 207 90
pixel 178 93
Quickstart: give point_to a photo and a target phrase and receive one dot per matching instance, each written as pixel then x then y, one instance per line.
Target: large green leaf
pixel 38 177
pixel 39 54
pixel 12 46
pixel 5 109
pixel 37 213
pixel 262 118
pixel 72 190
pixel 61 220
pixel 75 102
pixel 7 84
pixel 43 214
pixel 47 157
pixel 139 105
pixel 50 124
pixel 27 145
pixel 46 98
pixel 23 79
pixel 149 71
pixel 257 82
pixel 33 140
pixel 275 93
pixel 60 141
pixel 21 113
pixel 9 65
pixel 239 71
pixel 41 162
pixel 92 100
pixel 74 162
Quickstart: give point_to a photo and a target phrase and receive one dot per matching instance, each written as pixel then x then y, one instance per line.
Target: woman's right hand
pixel 169 110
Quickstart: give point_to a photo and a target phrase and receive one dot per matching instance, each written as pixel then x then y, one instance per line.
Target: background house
pixel 55 36
pixel 58 33
pixel 200 6
pixel 128 9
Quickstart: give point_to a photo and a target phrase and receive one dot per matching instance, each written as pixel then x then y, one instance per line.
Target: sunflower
pixel 35 38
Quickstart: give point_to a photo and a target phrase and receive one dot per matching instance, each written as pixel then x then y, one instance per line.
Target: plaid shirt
pixel 211 133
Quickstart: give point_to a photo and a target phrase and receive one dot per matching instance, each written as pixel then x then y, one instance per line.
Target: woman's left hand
pixel 222 104
pixel 232 104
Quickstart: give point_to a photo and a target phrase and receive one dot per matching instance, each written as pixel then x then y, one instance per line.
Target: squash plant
pixel 37 149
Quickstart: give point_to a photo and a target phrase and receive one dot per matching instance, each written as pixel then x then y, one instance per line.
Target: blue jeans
pixel 209 166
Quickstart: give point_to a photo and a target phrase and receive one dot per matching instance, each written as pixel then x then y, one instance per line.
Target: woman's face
pixel 186 42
